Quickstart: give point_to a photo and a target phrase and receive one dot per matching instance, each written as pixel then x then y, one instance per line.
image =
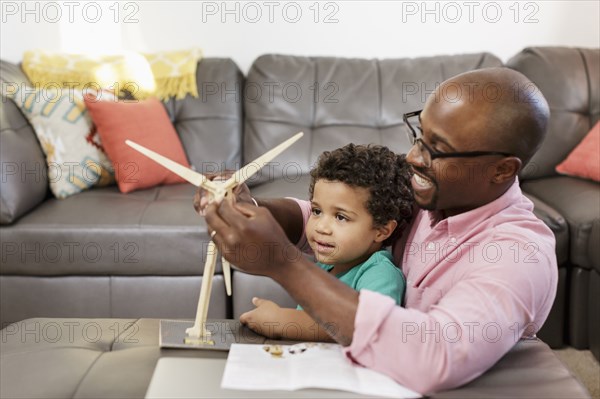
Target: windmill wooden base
pixel 223 333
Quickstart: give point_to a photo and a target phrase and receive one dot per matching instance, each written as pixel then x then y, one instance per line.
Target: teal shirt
pixel 377 273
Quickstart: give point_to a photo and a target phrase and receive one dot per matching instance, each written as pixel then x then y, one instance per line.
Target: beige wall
pixel 243 30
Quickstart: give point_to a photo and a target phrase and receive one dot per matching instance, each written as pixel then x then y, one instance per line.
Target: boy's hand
pixel 265 319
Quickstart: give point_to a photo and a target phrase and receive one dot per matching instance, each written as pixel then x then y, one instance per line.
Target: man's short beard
pixel 431 205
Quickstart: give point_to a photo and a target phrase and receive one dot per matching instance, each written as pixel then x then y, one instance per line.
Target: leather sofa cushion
pixel 579 202
pixel 335 101
pixel 24 182
pixel 594 315
pixel 167 297
pixel 568 78
pixel 291 185
pixel 103 232
pixel 210 126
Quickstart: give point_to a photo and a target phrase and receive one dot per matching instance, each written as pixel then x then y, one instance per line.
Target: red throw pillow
pixel 147 123
pixel 584 160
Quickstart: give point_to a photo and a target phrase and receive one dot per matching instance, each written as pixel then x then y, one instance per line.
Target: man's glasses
pixel 429 154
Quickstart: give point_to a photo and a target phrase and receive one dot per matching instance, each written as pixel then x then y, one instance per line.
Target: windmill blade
pixel 197 179
pixel 251 168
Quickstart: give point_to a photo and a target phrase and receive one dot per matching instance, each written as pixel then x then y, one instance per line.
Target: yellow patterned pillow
pixel 74 154
pixel 163 75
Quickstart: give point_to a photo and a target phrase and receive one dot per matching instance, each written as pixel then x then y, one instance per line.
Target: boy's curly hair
pixel 385 174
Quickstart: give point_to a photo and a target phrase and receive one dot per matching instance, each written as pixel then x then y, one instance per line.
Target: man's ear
pixel 506 169
pixel 385 230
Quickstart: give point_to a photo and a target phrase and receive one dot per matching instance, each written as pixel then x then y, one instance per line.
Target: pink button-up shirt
pixel 476 283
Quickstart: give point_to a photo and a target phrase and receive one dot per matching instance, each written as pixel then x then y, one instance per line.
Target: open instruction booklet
pixel 306 365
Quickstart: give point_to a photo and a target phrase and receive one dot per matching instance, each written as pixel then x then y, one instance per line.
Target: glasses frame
pixel 414 140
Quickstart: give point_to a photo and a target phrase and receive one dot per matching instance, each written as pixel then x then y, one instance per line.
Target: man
pixel 481 268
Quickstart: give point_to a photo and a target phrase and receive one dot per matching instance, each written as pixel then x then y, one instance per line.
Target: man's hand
pixel 241 192
pixel 265 319
pixel 250 238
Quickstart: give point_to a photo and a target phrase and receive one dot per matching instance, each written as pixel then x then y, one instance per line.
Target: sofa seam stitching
pixel 9 217
pixel 588 81
pixel 35 351
pixel 327 124
pixel 117 338
pixel 146 206
pixel 86 374
pixel 110 298
pixel 196 118
pixel 15 129
pixel 480 61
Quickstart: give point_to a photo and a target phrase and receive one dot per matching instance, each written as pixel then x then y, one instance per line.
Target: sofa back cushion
pixel 210 126
pixel 336 101
pixel 569 78
pixel 210 129
pixel 24 181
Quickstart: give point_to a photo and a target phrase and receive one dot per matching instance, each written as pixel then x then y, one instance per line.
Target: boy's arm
pixel 273 321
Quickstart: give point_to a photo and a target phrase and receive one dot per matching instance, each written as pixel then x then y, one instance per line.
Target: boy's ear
pixel 385 230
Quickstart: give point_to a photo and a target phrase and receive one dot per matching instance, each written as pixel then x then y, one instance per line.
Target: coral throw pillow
pixel 147 123
pixel 584 160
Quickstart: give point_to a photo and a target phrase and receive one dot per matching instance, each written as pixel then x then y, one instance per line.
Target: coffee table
pixel 116 358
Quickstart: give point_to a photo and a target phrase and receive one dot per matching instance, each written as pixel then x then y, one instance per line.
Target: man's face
pixel 452 185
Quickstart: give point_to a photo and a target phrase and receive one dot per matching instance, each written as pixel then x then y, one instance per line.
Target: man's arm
pixel 476 322
pixel 288 215
pixel 286 211
pixel 312 287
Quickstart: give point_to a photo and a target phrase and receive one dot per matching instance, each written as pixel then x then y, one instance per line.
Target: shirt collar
pixel 457 225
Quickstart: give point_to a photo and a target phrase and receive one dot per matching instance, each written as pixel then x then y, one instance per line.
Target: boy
pixel 361 199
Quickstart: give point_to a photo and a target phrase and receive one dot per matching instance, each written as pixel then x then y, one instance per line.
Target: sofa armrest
pixel 23 181
pixel 557 223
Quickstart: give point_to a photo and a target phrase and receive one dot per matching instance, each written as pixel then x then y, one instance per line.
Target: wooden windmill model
pixel 218 190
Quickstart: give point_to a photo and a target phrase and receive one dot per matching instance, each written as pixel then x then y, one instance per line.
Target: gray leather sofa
pixel 101 253
pixel 334 101
pixel 570 81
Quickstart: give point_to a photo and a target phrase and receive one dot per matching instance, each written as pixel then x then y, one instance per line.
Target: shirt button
pixel 453 240
pixel 430 246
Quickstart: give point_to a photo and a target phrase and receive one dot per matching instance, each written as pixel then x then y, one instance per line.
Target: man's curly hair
pixel 385 174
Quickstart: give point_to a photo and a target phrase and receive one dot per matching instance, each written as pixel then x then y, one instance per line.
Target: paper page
pixel 307 365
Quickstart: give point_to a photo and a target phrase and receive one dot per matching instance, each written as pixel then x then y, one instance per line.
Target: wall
pixel 244 30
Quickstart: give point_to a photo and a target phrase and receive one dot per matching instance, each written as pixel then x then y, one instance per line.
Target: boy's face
pixel 340 229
